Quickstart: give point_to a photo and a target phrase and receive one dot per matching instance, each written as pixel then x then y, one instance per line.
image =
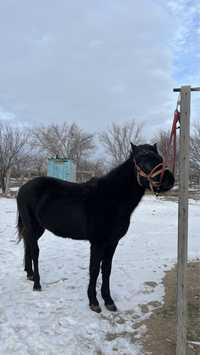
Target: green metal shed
pixel 64 169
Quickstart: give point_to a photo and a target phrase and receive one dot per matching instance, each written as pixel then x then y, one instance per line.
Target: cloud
pixel 5 115
pixel 186 47
pixel 186 43
pixel 89 62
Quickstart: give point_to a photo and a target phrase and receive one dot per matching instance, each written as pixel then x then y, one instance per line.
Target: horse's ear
pixel 133 148
pixel 155 147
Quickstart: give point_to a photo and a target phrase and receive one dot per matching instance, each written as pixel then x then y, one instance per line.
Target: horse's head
pixel 150 168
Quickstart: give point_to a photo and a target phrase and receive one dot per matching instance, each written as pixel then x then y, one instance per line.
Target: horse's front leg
pixel 96 254
pixel 106 271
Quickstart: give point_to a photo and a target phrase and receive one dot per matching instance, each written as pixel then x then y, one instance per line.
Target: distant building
pixel 64 169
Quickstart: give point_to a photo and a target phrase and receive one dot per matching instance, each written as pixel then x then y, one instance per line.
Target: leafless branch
pixel 65 141
pixel 116 140
pixel 12 142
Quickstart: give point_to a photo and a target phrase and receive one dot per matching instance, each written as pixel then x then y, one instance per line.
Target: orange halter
pixel 154 172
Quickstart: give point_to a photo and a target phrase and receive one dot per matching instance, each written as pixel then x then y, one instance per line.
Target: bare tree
pixel 90 168
pixel 32 163
pixel 162 138
pixel 195 149
pixel 65 141
pixel 116 140
pixel 39 164
pixel 12 143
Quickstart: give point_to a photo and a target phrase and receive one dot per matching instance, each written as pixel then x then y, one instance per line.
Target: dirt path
pixel 160 337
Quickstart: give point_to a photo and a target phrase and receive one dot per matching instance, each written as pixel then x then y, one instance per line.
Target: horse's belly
pixel 68 221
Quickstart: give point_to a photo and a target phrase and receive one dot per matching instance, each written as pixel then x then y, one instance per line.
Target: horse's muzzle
pixel 167 182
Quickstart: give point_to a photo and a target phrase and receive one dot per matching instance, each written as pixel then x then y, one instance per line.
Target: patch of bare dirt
pixel 160 337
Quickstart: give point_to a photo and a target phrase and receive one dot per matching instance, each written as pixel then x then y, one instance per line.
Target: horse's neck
pixel 122 183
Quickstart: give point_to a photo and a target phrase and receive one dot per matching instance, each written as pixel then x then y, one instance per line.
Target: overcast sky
pixel 94 62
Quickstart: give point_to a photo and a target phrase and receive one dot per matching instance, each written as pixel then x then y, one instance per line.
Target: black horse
pixel 98 210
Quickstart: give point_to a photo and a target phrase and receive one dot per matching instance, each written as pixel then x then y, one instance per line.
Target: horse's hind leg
pixel 32 255
pixel 29 254
pixel 28 262
pixel 35 256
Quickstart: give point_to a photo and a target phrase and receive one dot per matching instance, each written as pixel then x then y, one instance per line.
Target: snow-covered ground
pixel 58 320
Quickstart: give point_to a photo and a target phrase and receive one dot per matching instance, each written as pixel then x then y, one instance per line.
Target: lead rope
pixel 172 139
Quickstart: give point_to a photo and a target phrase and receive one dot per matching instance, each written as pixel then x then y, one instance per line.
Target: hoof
pixel 30 277
pixel 96 309
pixel 37 288
pixel 111 307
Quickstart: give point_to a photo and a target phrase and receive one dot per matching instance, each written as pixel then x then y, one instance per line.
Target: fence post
pixel 181 344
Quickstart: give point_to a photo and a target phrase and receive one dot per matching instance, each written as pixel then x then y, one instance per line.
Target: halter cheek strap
pixel 158 169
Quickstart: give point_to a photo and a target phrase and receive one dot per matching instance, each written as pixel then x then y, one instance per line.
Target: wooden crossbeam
pixel 191 89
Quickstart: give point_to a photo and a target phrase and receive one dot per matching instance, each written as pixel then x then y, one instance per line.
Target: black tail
pixel 20 227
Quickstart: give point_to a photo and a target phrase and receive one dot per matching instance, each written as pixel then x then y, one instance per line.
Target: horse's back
pixel 58 206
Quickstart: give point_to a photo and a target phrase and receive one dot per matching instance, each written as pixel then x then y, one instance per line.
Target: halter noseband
pixel 154 172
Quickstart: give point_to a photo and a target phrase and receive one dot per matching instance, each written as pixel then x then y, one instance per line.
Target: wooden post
pixel 181 344
pixel 183 220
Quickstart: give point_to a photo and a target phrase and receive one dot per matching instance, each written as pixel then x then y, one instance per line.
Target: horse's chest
pixel 111 221
pixel 120 224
